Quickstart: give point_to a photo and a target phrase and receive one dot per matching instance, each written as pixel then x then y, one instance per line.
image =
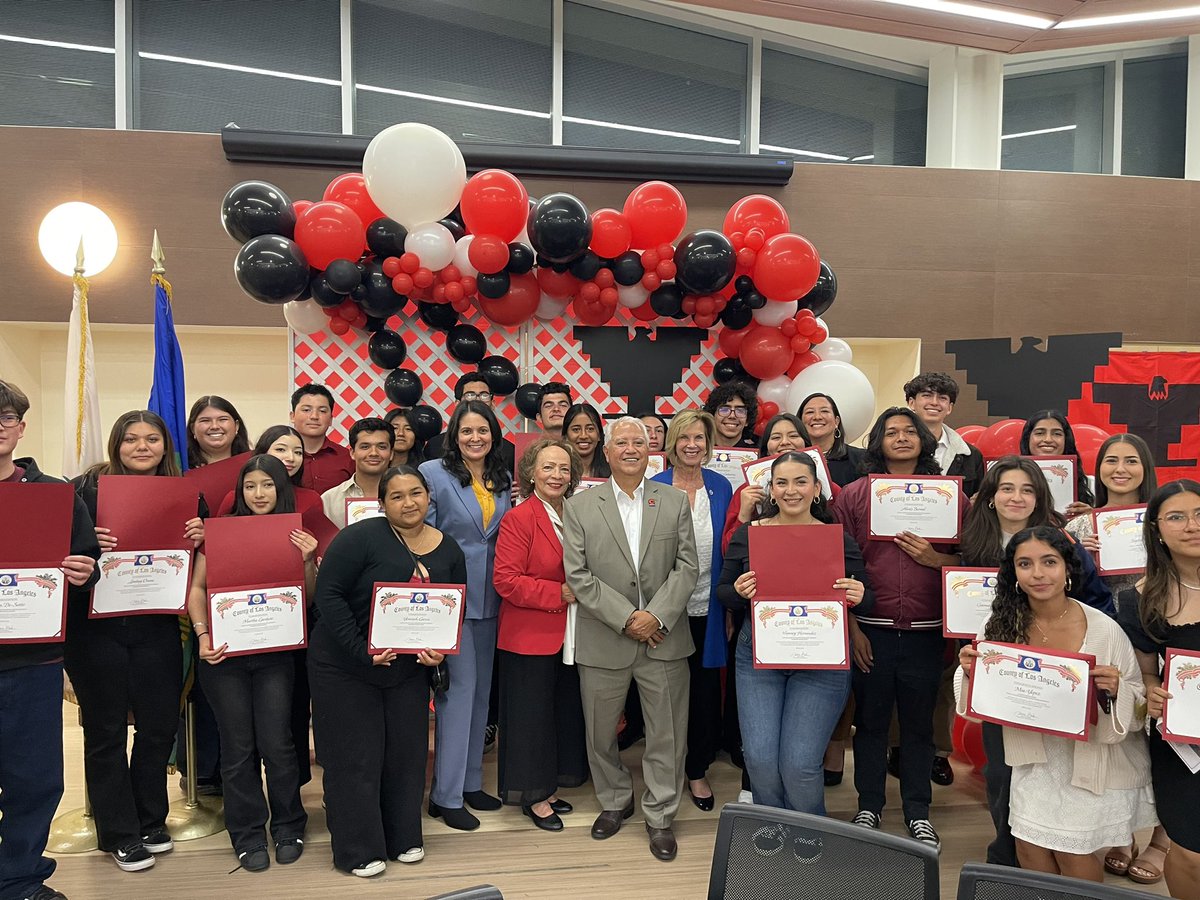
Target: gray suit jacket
pixel 600 570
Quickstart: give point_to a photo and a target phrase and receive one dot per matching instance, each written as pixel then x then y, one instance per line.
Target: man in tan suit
pixel 630 558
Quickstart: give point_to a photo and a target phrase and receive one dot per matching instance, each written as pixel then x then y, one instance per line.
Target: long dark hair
pixel 168 465
pixel 285 496
pixel 1011 612
pixel 982 536
pixel 775 420
pixel 1082 489
pixel 496 475
pixel 819 508
pixel 1149 477
pixel 241 440
pixel 416 453
pixel 873 462
pixel 1161 575
pixel 270 436
pixel 396 472
pixel 838 450
pixel 600 467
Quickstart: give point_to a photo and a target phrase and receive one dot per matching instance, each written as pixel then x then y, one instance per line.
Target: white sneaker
pixel 921 830
pixel 745 797
pixel 370 869
pixel 866 819
pixel 412 855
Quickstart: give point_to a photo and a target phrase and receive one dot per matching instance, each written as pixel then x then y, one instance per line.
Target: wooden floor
pixel 506 851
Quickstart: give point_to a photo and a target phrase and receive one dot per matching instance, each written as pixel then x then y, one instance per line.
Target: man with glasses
pixel 554 399
pixel 31 678
pixel 734 405
pixel 472 386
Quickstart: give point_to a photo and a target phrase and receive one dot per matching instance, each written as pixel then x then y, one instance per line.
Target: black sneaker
pixel 133 858
pixel 45 892
pixel 866 819
pixel 769 839
pixel 256 860
pixel 158 842
pixel 288 850
pixel 921 830
pixel 489 738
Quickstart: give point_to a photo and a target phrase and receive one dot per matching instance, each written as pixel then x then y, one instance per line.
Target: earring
pixel 991 504
pixel 1069 585
pixel 837 433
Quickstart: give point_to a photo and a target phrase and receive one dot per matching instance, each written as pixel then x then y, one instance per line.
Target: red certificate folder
pixel 252 550
pixel 217 479
pixel 522 441
pixel 797 561
pixel 146 512
pixel 35 526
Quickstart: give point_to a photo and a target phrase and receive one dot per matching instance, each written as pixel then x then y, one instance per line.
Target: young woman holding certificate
pixel 107 657
pixel 1162 613
pixel 282 442
pixel 251 695
pixel 1048 433
pixel 371 712
pixel 787 715
pixel 1070 797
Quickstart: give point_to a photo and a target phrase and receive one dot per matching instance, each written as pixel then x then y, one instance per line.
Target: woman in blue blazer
pixel 689 447
pixel 468 495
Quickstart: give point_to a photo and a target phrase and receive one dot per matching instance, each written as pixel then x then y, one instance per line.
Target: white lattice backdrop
pixel 554 355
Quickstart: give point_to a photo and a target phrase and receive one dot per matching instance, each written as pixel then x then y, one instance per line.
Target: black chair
pixel 479 892
pixel 980 881
pixel 763 853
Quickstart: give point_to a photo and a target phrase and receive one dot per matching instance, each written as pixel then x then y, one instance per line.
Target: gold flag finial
pixel 157 255
pixel 79 257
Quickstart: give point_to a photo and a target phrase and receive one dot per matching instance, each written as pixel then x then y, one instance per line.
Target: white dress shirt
pixel 334 501
pixel 943 454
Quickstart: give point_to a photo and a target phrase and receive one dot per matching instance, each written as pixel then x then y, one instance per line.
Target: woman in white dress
pixel 1069 798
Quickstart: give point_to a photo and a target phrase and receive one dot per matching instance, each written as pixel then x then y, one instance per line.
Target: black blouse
pixel 1181 637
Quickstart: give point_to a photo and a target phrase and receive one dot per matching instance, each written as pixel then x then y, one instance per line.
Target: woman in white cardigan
pixel 1069 798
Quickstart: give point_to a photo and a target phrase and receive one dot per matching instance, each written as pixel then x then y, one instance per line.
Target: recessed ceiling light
pixel 975 11
pixel 1024 134
pixel 1159 15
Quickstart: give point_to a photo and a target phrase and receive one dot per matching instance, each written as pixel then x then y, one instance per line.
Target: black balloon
pixel 754 299
pixel 586 267
pixel 403 387
pixel 271 269
pixel 386 237
pixel 466 343
pixel 526 399
pixel 737 314
pixel 743 283
pixel 725 370
pixel 387 349
pixel 493 286
pixel 824 292
pixel 426 421
pixel 456 229
pixel 322 293
pixel 520 258
pixel 343 275
pixel 374 323
pixel 376 295
pixel 704 261
pixel 441 316
pixel 256 207
pixel 667 300
pixel 627 269
pixel 560 227
pixel 501 374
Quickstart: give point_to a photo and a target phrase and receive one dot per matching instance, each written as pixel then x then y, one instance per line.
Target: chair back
pixel 479 892
pixel 980 881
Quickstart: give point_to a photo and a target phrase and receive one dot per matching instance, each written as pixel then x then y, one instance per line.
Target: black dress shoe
pixel 832 778
pixel 457 818
pixel 704 804
pixel 562 807
pixel 547 823
pixel 609 822
pixel 481 800
pixel 662 843
pixel 893 761
pixel 941 773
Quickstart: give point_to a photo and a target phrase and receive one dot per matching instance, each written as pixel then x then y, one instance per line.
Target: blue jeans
pixel 787 716
pixel 31 774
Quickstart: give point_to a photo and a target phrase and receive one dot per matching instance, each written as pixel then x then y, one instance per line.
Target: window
pixel 821 112
pixel 479 70
pixel 1057 121
pixel 641 85
pixel 1154 116
pixel 66 86
pixel 272 64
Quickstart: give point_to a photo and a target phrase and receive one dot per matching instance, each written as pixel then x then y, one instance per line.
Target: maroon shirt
pixel 328 467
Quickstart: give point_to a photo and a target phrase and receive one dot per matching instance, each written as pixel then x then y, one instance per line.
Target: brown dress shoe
pixel 609 822
pixel 662 843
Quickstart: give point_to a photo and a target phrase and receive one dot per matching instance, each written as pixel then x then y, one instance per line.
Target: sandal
pixel 1118 859
pixel 1146 873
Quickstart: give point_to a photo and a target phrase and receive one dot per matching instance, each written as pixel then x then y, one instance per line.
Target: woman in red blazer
pixel 542 739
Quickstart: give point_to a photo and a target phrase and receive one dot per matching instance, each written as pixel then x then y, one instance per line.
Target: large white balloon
pixel 834 349
pixel 848 387
pixel 550 308
pixel 433 243
pixel 414 173
pixel 631 296
pixel 462 260
pixel 774 313
pixel 775 390
pixel 305 317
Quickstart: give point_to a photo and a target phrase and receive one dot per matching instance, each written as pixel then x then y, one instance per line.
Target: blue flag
pixel 167 397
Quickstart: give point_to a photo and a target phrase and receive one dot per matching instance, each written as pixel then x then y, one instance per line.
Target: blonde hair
pixel 684 420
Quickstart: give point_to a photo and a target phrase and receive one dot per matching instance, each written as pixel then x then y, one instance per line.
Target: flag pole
pixel 74 831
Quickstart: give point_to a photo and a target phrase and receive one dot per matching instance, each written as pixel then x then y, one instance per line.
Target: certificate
pixel 759 472
pixel 35 537
pixel 1181 714
pixel 1060 476
pixel 33 605
pixel 656 464
pixel 729 462
pixel 258 620
pixel 799 634
pixel 359 509
pixel 408 618
pixel 926 505
pixel 967 595
pixel 586 484
pixel 142 582
pixel 1034 689
pixel 797 560
pixel 1122 545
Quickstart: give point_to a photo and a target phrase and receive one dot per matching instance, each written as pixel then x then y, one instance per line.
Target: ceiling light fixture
pixel 433 98
pixel 832 157
pixel 1158 15
pixel 707 138
pixel 230 67
pixel 991 13
pixel 1022 134
pixel 61 45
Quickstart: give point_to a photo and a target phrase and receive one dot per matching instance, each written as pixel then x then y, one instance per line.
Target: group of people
pixel 594 617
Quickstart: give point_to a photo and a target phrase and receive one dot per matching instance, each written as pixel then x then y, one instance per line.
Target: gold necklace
pixel 1045 637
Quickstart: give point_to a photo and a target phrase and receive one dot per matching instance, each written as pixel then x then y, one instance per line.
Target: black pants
pixel 117 665
pixel 252 699
pixel 704 706
pixel 372 735
pixel 997 775
pixel 906 672
pixel 301 715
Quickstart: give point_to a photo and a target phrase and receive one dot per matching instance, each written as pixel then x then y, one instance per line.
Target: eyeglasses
pixel 1179 520
pixel 738 412
pixel 9 420
pixel 485 396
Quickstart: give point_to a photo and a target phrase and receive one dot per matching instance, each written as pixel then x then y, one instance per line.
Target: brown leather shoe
pixel 609 822
pixel 662 843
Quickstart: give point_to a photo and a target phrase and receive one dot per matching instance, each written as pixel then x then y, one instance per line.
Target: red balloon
pixel 819 335
pixel 403 284
pixel 651 281
pixel 329 230
pixel 645 312
pixel 649 259
pixel 609 296
pixel 423 278
pixel 767 409
pixel 656 213
pixel 517 306
pixel 1088 439
pixel 454 291
pixel 756 211
pixel 449 274
pixel 730 340
pixel 604 278
pixel 488 253
pixel 351 190
pixel 338 325
pixel 970 433
pixel 469 285
pixel 589 292
pixel 409 263
pixel 800 344
pixel 800 362
pixel 967 738
pixel 787 267
pixel 299 206
pixel 391 266
pixel 611 234
pixel 765 352
pixel 559 285
pixel 495 202
pixel 788 327
pixel 1001 439
pixel 592 313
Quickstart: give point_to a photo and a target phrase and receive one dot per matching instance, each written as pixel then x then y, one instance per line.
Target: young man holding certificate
pixel 31 671
pixel 371 442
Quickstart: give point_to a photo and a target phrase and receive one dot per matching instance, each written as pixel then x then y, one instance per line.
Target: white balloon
pixel 848 387
pixel 775 390
pixel 433 243
pixel 414 173
pixel 305 317
pixel 834 349
pixel 774 313
pixel 550 308
pixel 461 259
pixel 631 296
